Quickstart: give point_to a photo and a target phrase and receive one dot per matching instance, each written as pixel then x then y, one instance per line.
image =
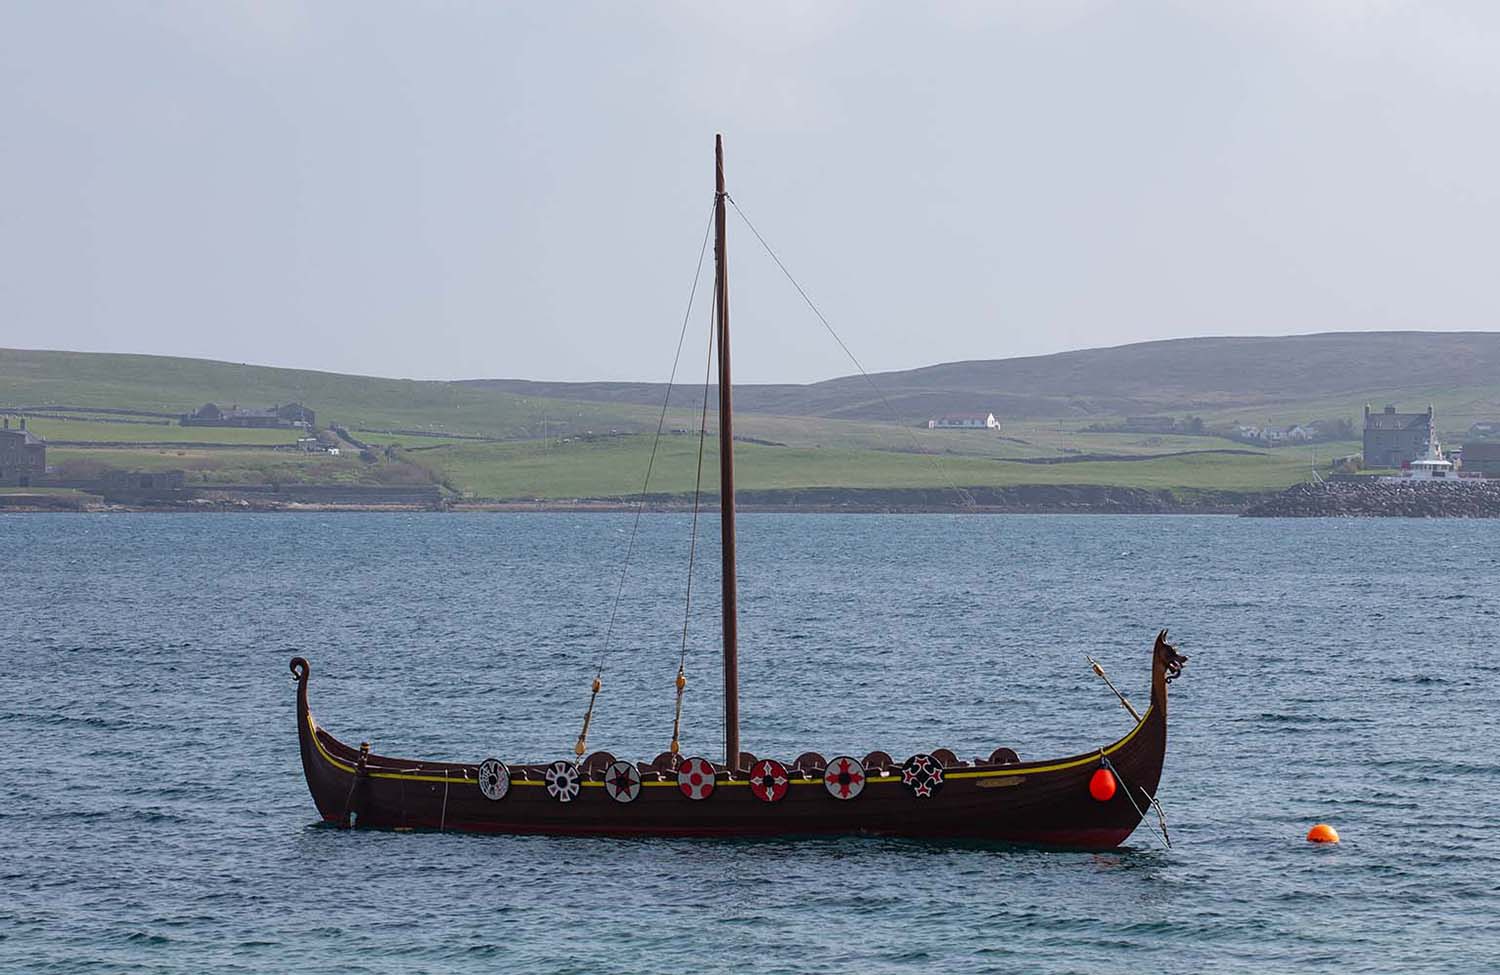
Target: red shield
pixel 768 780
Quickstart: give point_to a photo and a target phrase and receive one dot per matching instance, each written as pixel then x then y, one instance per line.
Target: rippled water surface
pixel 155 816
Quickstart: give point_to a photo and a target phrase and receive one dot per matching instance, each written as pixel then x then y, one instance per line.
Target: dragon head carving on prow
pixel 1169 658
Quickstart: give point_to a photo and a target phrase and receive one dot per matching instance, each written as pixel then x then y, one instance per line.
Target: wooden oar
pixel 1124 701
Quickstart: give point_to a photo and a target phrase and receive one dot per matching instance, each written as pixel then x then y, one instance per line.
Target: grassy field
pixel 615 467
pixel 598 448
pixel 99 432
pixel 235 466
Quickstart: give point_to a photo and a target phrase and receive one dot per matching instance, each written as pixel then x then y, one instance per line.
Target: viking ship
pixel 1091 800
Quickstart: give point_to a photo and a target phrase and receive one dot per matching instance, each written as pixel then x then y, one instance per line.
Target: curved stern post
pixel 321 777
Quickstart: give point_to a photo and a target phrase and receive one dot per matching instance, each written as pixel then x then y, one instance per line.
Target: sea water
pixel 155 817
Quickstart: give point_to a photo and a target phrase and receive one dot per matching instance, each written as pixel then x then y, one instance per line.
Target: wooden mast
pixel 726 474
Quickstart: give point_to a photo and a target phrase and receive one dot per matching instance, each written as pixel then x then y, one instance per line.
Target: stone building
pixel 211 415
pixel 1482 457
pixel 1150 424
pixel 23 455
pixel 1393 439
pixel 965 421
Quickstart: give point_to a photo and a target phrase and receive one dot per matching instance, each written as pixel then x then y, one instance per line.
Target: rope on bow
pixel 1160 813
pixel 583 736
pixel 677 718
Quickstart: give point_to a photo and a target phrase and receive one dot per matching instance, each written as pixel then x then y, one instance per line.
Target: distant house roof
pixel 1475 453
pixel 1390 420
pixel 210 411
pixel 26 436
pixel 962 417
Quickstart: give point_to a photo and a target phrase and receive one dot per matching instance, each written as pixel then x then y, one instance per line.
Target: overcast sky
pixel 519 190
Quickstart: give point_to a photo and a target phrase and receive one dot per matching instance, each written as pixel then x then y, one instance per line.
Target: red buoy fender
pixel 1102 785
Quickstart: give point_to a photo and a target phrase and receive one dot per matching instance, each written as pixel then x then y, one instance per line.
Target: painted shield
pixel 494 778
pixel 622 782
pixel 695 777
pixel 844 778
pixel 769 781
pixel 562 781
pixel 923 775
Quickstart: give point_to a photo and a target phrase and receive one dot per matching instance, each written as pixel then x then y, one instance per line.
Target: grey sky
pixel 464 190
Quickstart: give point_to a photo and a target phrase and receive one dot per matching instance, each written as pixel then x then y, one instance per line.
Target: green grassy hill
pixel 485 439
pixel 1283 378
pixel 174 385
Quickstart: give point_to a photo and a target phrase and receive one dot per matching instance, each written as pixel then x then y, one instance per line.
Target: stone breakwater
pixel 1372 498
pixel 1023 498
pixel 1020 499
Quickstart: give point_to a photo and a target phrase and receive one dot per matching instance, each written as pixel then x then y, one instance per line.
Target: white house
pixel 965 421
pixel 1274 436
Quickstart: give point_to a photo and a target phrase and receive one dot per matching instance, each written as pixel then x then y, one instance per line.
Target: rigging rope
pixel 1161 814
pixel 640 505
pixel 687 606
pixel 964 496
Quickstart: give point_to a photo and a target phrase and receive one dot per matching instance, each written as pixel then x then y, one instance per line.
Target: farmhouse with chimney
pixel 23 455
pixel 965 421
pixel 210 415
pixel 1393 439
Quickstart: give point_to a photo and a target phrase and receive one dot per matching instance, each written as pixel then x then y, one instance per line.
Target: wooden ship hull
pixel 1046 803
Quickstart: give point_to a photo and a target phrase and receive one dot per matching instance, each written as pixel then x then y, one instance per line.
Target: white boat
pixel 1431 468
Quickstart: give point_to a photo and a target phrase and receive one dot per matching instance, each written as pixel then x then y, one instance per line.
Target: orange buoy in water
pixel 1322 833
pixel 1102 785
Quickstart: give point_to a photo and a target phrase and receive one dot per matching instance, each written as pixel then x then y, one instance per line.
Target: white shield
pixel 494 778
pixel 622 782
pixel 844 778
pixel 695 777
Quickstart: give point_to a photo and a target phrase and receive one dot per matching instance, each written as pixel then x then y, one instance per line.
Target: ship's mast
pixel 726 474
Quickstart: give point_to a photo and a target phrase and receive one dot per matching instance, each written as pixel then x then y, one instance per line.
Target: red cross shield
pixel 768 780
pixel 844 778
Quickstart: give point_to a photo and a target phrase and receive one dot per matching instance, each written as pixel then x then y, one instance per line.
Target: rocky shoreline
pixel 1365 497
pixel 1023 499
pixel 1369 497
pixel 1018 499
pixel 1046 499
